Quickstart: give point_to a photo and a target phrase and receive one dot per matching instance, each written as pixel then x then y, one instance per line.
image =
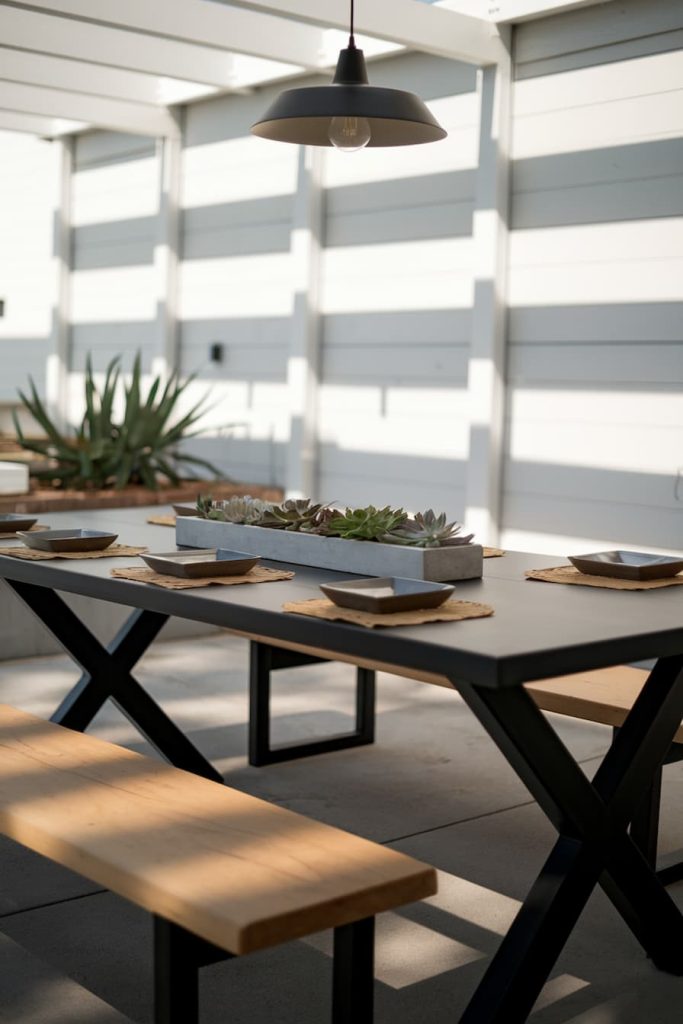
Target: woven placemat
pixel 168 520
pixel 32 529
pixel 259 574
pixel 568 574
pixel 113 551
pixel 493 552
pixel 451 611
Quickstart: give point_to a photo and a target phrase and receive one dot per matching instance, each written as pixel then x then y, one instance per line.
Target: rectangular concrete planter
pixel 365 558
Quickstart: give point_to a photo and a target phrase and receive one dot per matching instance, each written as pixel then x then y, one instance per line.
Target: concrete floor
pixel 433 785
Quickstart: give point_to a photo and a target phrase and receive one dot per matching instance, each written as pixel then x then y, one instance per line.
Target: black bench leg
pixel 645 825
pixel 178 955
pixel 176 976
pixel 354 973
pixel 265 659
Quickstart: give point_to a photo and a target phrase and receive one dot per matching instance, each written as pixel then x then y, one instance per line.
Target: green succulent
pixel 242 510
pixel 292 515
pixel 366 523
pixel 104 451
pixel 427 530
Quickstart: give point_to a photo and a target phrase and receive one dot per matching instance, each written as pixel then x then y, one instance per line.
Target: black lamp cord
pixel 352 41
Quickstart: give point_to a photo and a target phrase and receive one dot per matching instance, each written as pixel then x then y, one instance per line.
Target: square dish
pixel 10 522
pixel 201 562
pixel 382 594
pixel 185 510
pixel 68 540
pixel 628 565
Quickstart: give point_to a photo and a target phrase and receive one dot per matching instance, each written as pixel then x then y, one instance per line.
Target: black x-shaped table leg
pixel 594 846
pixel 107 676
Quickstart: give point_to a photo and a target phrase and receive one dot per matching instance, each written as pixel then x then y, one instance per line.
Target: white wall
pixel 595 327
pixel 595 403
pixel 28 196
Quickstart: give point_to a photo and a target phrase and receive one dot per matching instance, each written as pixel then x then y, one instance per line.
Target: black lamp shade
pixel 303 116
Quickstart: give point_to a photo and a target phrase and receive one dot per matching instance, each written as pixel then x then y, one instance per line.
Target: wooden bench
pixel 223 873
pixel 601 695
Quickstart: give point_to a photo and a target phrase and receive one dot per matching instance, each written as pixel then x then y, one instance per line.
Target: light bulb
pixel 349 134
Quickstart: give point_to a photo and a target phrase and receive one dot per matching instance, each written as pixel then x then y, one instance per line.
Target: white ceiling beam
pixel 415 25
pixel 32 31
pixel 523 10
pixel 78 76
pixel 50 127
pixel 118 115
pixel 196 21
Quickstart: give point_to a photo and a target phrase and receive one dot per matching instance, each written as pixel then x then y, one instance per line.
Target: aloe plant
pixel 139 449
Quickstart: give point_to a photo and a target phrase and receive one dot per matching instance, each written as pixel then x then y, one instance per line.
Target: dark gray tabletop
pixel 538 629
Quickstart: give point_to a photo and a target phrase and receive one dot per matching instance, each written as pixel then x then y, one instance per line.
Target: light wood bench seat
pixel 234 871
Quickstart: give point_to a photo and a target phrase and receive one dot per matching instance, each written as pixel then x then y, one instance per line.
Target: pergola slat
pixel 116 48
pixel 139 118
pixel 418 26
pixel 197 21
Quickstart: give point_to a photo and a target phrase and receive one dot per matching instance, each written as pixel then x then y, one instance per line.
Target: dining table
pixel 537 630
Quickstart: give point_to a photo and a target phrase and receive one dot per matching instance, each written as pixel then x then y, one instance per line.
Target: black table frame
pixel 592 818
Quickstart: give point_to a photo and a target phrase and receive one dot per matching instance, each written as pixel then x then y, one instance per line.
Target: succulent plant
pixel 427 530
pixel 320 522
pixel 244 510
pixel 294 514
pixel 366 523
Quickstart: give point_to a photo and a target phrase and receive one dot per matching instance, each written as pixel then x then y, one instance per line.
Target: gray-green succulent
pixel 427 530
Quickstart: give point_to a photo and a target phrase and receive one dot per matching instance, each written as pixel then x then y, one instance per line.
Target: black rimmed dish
pixel 185 510
pixel 383 594
pixel 628 565
pixel 202 562
pixel 11 522
pixel 68 540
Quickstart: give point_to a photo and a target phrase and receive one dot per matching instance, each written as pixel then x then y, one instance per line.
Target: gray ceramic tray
pixel 10 522
pixel 383 594
pixel 628 565
pixel 204 562
pixel 185 510
pixel 68 540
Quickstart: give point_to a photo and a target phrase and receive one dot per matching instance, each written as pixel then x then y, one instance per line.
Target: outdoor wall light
pixel 349 114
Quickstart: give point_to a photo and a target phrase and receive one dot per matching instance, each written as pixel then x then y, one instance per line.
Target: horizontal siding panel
pixel 601 25
pixel 115 191
pixel 616 243
pixel 441 326
pixel 236 169
pixel 249 240
pixel 269 332
pixel 631 488
pixel 382 226
pixel 659 43
pixel 644 160
pixel 402 492
pixel 616 122
pixel 597 322
pixel 93 149
pixel 564 525
pixel 636 446
pixel 113 295
pixel 22 358
pixel 437 363
pixel 586 87
pixel 594 364
pixel 660 197
pixel 423 190
pixel 632 280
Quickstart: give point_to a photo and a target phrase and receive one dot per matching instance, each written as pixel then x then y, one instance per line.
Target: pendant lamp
pixel 350 113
